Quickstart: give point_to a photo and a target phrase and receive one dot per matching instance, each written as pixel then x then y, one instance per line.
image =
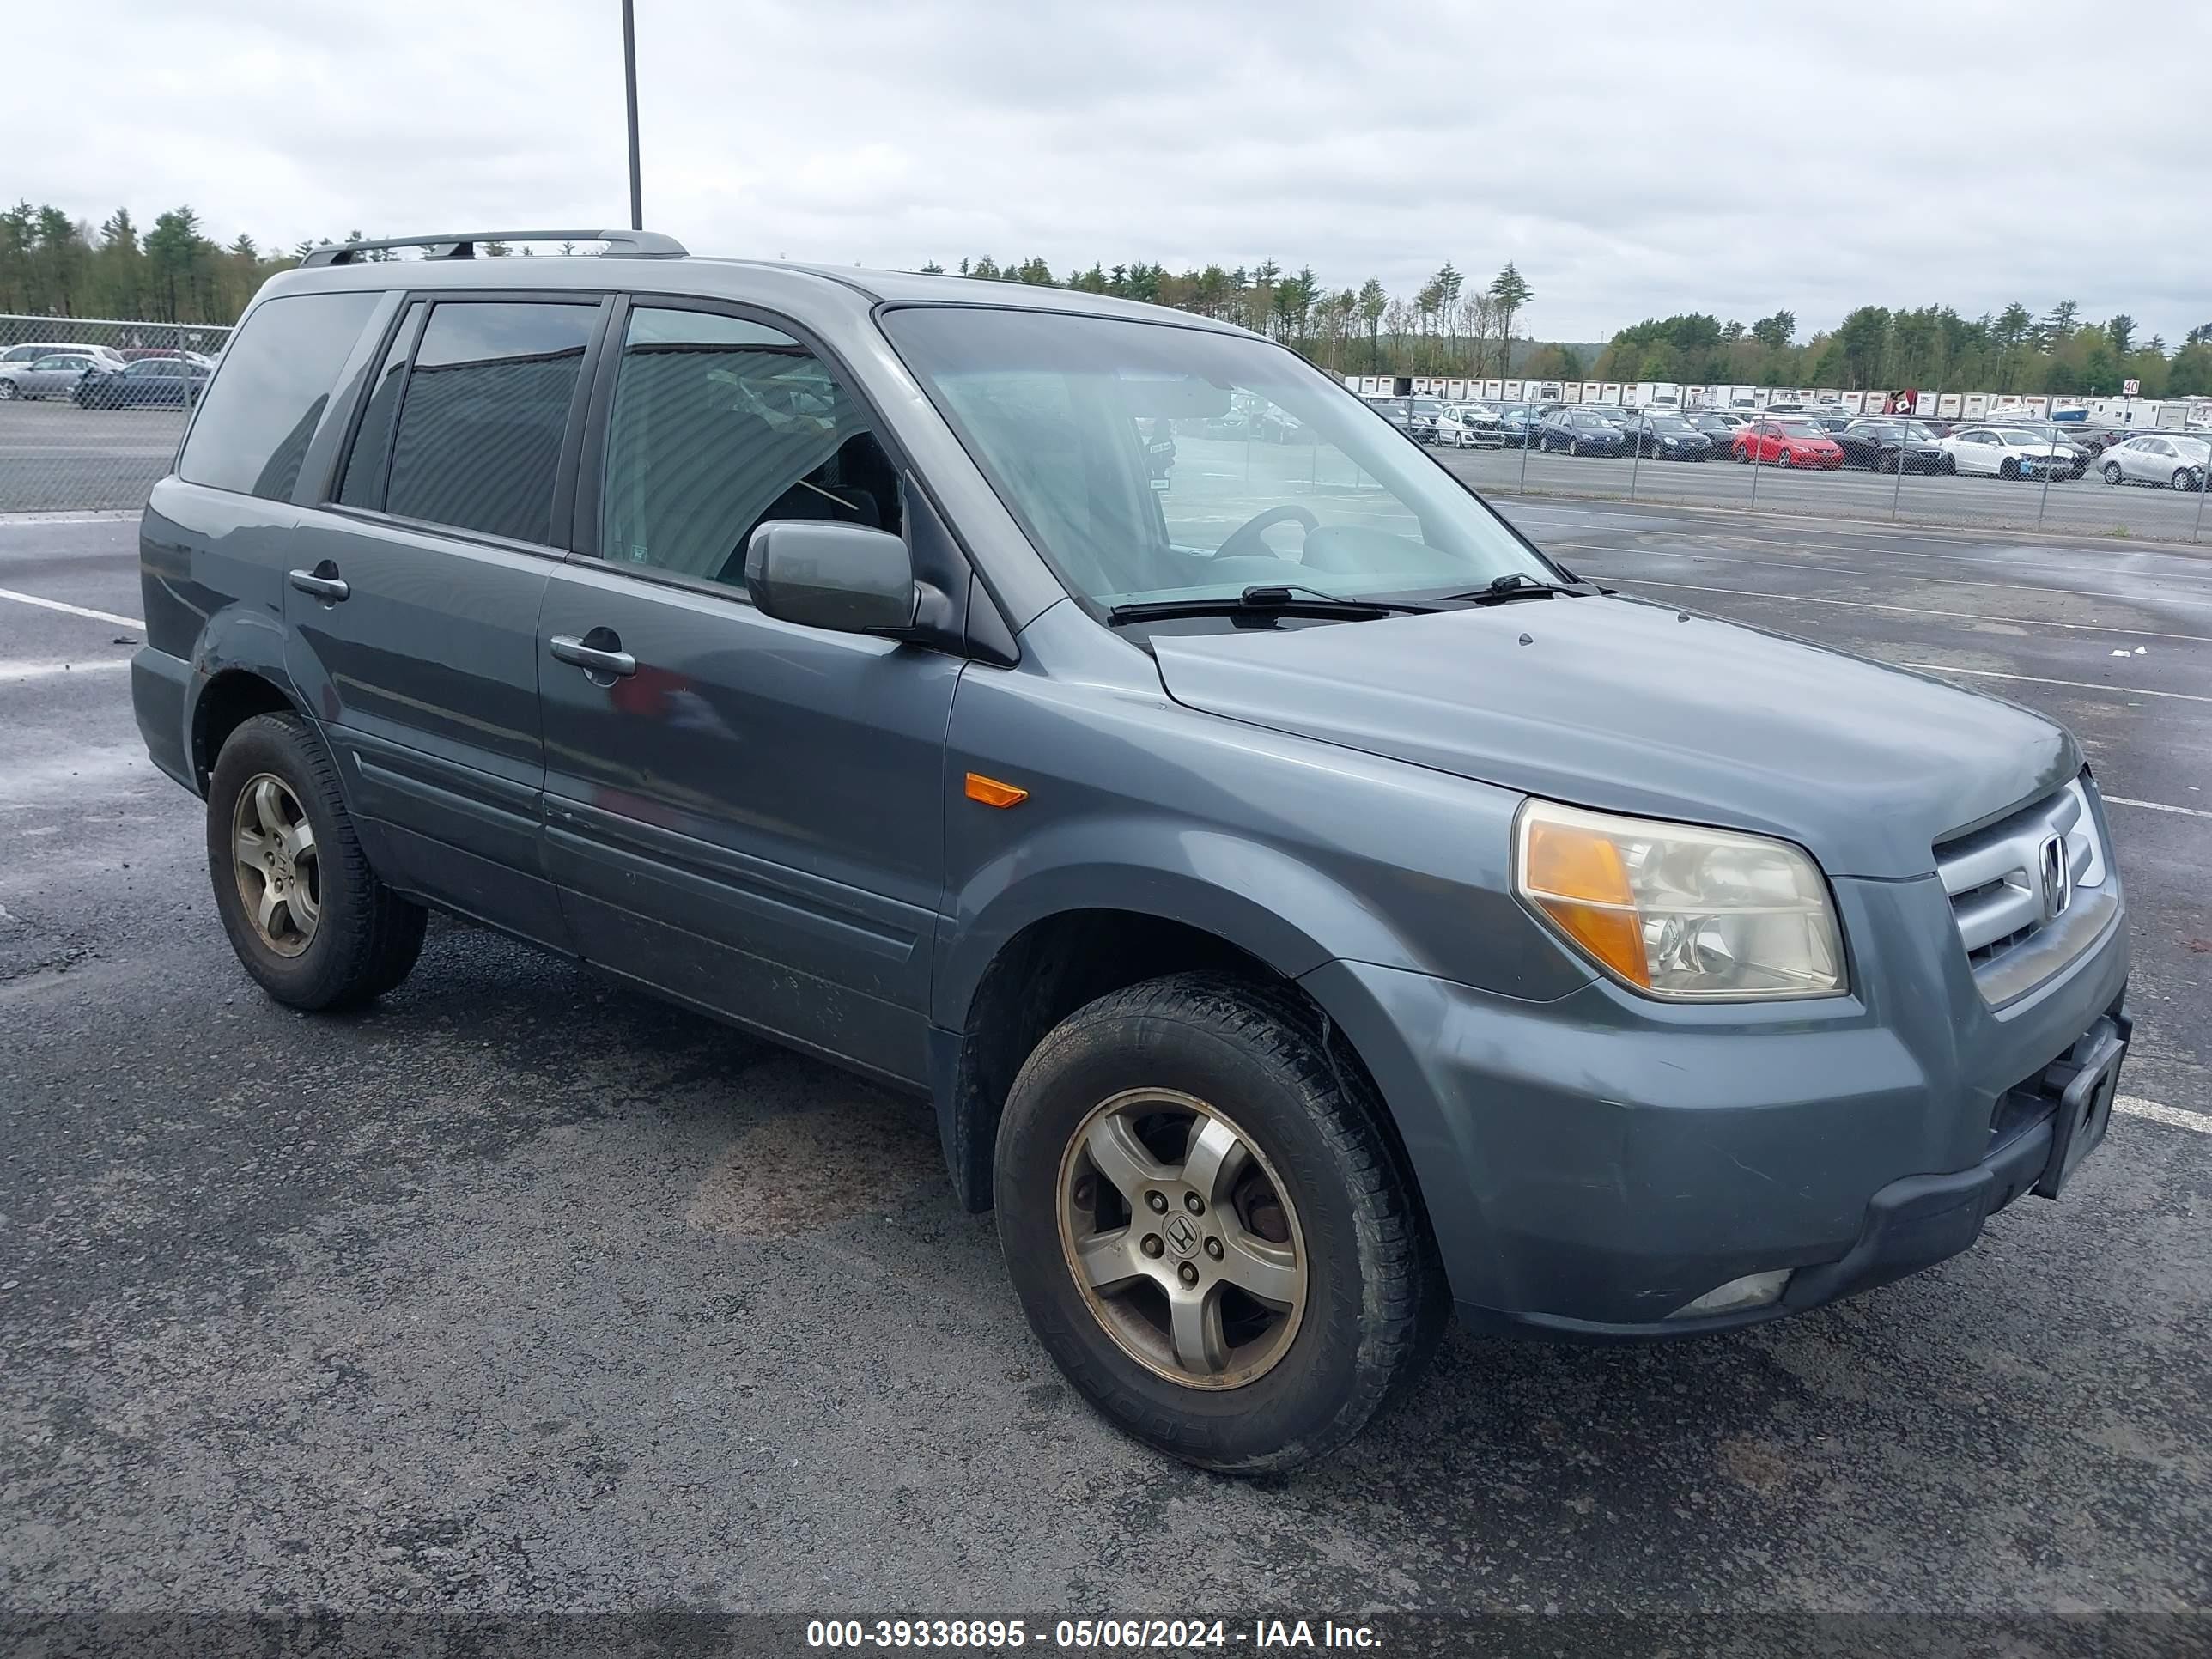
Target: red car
pixel 1788 443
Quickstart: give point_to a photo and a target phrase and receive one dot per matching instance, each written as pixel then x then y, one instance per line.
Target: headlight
pixel 1677 911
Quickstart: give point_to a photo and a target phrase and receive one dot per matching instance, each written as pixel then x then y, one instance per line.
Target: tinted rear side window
pixel 486 407
pixel 277 377
pixel 362 484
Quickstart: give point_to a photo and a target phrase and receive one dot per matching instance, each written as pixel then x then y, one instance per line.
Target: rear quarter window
pixel 260 411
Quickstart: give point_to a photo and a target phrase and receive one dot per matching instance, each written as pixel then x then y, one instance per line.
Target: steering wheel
pixel 1244 541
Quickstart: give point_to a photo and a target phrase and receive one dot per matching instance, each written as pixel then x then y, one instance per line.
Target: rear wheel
pixel 2113 474
pixel 1207 1228
pixel 308 918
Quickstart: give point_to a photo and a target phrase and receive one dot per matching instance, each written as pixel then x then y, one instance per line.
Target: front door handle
pixel 323 582
pixel 592 660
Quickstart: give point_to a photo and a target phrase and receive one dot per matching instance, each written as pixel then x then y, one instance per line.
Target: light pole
pixel 630 90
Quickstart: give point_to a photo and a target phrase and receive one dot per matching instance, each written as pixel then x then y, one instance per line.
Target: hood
pixel 1619 705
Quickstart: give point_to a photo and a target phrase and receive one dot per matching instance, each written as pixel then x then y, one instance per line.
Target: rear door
pixel 743 813
pixel 412 602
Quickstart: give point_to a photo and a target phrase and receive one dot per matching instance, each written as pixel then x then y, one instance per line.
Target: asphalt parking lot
pixel 518 1291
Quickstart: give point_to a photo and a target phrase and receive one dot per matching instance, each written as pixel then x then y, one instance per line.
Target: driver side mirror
pixel 841 577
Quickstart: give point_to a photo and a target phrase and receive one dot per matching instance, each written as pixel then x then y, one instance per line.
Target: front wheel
pixel 2008 470
pixel 1782 458
pixel 1950 466
pixel 2184 478
pixel 309 920
pixel 7 391
pixel 1207 1227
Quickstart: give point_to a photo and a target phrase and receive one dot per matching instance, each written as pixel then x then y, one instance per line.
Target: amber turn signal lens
pixel 1576 877
pixel 992 792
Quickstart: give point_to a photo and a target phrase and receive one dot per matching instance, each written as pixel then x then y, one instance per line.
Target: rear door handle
pixel 591 658
pixel 329 588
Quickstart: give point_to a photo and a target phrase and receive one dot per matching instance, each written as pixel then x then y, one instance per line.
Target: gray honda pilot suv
pixel 1307 906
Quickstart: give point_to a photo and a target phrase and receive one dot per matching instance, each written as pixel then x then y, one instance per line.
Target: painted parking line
pixel 2157 806
pixel 2037 680
pixel 1921 610
pixel 2172 1116
pixel 72 609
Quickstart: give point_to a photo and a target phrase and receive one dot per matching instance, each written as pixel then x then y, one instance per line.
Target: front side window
pixel 1104 439
pixel 256 417
pixel 719 425
pixel 486 407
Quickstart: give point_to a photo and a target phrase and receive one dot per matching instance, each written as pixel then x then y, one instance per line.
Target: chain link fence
pixel 2125 468
pixel 91 412
pixel 91 409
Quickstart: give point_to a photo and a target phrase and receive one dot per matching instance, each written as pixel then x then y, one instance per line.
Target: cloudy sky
pixel 1742 158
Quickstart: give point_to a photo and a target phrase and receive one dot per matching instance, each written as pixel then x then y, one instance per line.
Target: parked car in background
pixel 1788 443
pixel 1721 425
pixel 2066 439
pixel 1470 426
pixel 43 377
pixel 2004 452
pixel 2170 458
pixel 1665 436
pixel 1881 442
pixel 1425 413
pixel 149 382
pixel 1399 411
pixel 1830 421
pixel 1521 421
pixel 31 350
pixel 1581 432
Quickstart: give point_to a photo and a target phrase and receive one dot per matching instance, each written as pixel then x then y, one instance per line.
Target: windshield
pixel 1104 438
pixel 1799 429
pixel 1667 423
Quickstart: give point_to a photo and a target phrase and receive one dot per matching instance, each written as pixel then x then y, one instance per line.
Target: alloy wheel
pixel 279 874
pixel 1182 1239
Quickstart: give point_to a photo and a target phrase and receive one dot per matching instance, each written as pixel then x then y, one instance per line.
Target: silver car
pixel 2157 458
pixel 53 376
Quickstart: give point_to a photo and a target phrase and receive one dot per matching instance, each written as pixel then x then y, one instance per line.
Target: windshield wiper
pixel 1515 585
pixel 1262 600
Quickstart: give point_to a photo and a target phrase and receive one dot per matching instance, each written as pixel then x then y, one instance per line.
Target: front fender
pixel 1260 898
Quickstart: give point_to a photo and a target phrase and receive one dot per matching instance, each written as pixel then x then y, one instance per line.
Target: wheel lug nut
pixel 1086 1191
pixel 1194 1203
pixel 1151 1246
pixel 1158 1202
pixel 1187 1273
pixel 1213 1249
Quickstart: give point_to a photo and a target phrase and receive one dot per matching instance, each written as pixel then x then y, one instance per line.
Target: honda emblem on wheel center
pixel 2058 878
pixel 1183 1235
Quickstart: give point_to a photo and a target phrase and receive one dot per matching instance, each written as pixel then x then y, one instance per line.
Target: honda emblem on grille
pixel 2058 877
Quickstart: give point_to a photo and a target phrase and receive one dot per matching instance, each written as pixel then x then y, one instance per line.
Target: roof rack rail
pixel 621 243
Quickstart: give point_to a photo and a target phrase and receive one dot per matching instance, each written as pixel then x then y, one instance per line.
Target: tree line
pixel 52 264
pixel 1448 327
pixel 1932 348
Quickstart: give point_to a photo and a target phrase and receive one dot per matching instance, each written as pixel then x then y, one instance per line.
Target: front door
pixel 743 812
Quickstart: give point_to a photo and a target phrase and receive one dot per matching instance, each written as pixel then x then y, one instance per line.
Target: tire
pixel 1170 1055
pixel 8 391
pixel 2184 478
pixel 2008 469
pixel 339 937
pixel 2112 473
pixel 1950 465
pixel 1782 458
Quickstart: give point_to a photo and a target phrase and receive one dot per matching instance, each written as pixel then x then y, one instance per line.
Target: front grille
pixel 2006 889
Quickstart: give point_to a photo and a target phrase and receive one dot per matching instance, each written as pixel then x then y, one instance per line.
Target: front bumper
pixel 1591 1165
